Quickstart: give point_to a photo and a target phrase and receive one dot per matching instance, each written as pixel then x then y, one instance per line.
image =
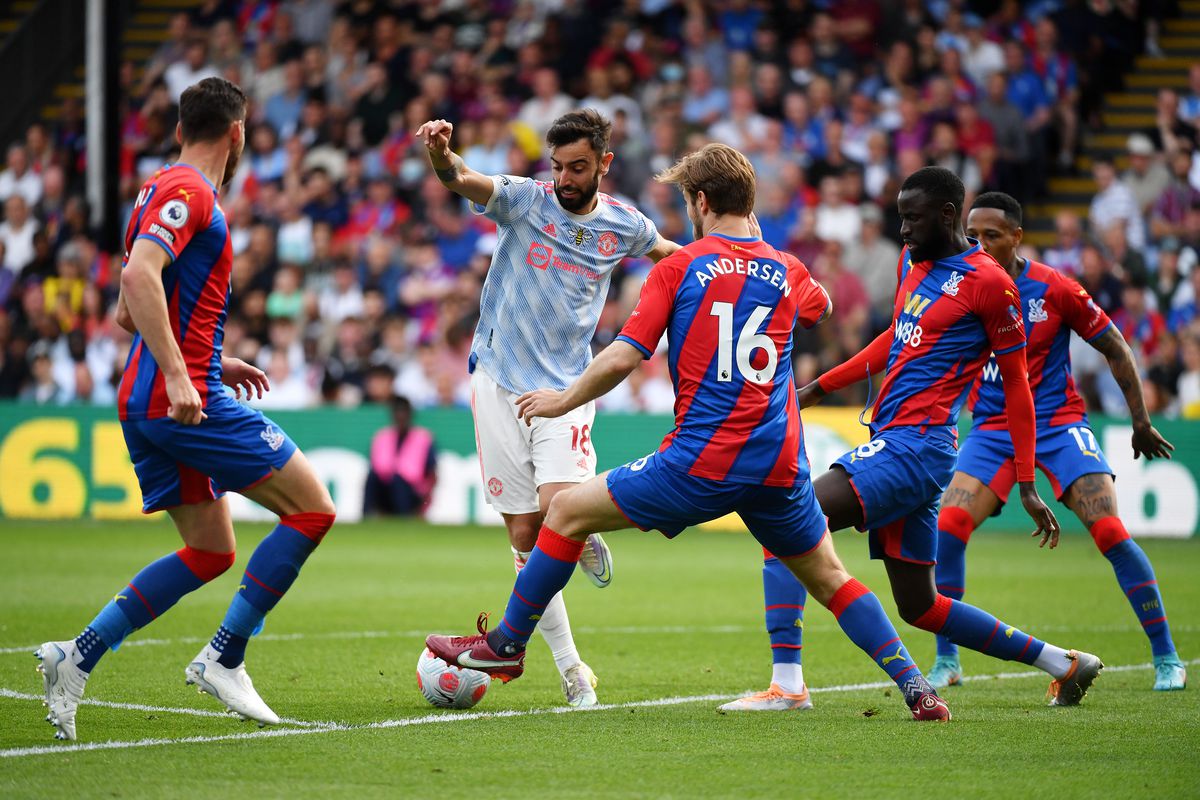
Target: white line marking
pixel 193 712
pixel 652 630
pixel 435 719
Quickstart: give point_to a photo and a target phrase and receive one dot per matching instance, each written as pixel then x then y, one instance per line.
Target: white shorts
pixel 515 458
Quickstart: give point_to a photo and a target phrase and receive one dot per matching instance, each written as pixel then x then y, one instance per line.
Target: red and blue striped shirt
pixel 177 210
pixel 728 307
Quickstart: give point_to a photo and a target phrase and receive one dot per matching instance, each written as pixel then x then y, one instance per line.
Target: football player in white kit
pixel 558 245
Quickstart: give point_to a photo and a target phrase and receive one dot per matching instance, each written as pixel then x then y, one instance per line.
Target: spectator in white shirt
pixel 1115 201
pixel 982 57
pixel 744 128
pixel 17 232
pixel 344 298
pixel 837 220
pixel 193 69
pixel 547 104
pixel 18 178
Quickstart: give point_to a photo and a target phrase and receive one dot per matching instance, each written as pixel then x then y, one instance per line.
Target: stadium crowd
pixel 357 275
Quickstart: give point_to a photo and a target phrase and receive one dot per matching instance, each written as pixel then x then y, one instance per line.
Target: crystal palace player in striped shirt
pixel 188 439
pixel 954 307
pixel 1054 306
pixel 728 304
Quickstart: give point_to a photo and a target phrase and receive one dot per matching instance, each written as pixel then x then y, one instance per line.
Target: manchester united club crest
pixel 495 487
pixel 607 245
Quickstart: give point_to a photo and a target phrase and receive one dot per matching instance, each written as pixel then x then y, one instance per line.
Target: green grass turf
pixel 681 619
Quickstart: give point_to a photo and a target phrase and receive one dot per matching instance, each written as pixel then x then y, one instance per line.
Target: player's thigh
pixel 502 440
pixel 165 478
pixel 972 495
pixel 584 509
pixel 205 526
pixel 1071 458
pixel 236 446
pixel 562 449
pixel 652 495
pixel 839 501
pixel 787 521
pixel 1092 497
pixel 294 489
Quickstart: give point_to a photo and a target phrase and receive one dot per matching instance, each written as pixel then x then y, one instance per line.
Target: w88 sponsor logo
pixel 909 333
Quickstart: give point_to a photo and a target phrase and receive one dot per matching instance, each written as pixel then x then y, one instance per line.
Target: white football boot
pixel 773 699
pixel 232 687
pixel 579 686
pixel 63 682
pixel 596 561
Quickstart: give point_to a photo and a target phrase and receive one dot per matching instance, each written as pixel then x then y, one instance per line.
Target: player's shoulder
pixel 986 272
pixel 1056 282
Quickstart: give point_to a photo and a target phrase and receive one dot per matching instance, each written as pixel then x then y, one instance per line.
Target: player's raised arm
pixel 451 170
pixel 1146 440
pixel 142 286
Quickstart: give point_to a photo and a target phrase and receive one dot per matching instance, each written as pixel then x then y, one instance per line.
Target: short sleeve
pixel 648 322
pixel 1080 311
pixel 512 198
pixel 645 238
pixel 998 307
pixel 813 305
pixel 173 214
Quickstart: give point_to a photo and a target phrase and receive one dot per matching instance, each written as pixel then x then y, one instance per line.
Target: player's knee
pixel 1108 532
pixel 957 522
pixel 559 517
pixel 313 524
pixel 205 564
pixel 926 614
pixel 914 607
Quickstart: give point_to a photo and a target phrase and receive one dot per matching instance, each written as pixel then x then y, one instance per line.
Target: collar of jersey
pixel 203 177
pixel 735 238
pixel 571 215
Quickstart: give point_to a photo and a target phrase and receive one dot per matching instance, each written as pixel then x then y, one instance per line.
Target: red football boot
pixel 473 652
pixel 930 708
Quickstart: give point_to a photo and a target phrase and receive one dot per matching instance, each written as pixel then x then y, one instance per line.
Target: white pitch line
pixel 652 630
pixel 436 719
pixel 192 712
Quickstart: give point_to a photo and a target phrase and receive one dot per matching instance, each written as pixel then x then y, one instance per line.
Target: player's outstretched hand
pixel 435 135
pixel 1150 443
pixel 1040 513
pixel 183 401
pixel 243 377
pixel 810 395
pixel 540 403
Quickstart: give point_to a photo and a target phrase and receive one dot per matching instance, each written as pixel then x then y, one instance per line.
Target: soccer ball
pixel 446 686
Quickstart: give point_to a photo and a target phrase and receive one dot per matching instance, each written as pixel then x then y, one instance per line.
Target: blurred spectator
pixel 1147 176
pixel 18 178
pixel 403 466
pixel 1114 203
pixel 1189 381
pixel 1141 326
pixel 194 68
pixel 16 233
pixel 1095 275
pixel 836 218
pixel 874 258
pixel 1169 212
pixel 41 388
pixel 1064 254
pixel 1013 147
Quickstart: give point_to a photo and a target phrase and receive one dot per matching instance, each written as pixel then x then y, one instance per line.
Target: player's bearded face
pixel 575 193
pixel 235 155
pixel 693 213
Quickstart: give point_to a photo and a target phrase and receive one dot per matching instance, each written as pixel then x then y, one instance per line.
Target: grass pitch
pixel 679 630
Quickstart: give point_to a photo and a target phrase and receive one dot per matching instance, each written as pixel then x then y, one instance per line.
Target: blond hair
pixel 724 175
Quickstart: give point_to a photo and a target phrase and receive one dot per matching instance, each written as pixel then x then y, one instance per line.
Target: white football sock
pixel 1054 660
pixel 554 625
pixel 788 677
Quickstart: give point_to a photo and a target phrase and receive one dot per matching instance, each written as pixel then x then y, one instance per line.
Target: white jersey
pixel 548 282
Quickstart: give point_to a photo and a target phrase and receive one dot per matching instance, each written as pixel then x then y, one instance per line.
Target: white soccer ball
pixel 446 686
